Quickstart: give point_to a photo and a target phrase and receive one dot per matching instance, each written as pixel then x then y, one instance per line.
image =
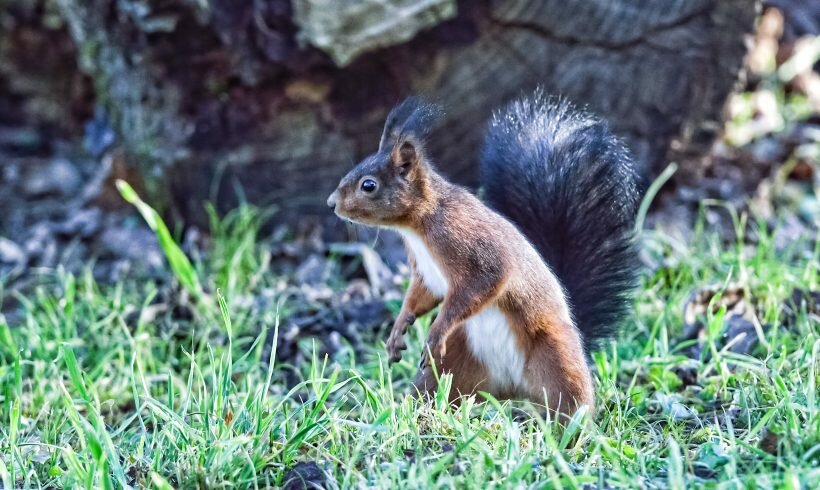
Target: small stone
pixel 741 333
pixel 366 315
pixel 378 274
pixel 133 244
pixel 767 150
pixel 809 209
pixel 313 271
pixel 688 374
pixel 11 253
pixel 307 91
pixel 671 405
pixel 769 441
pixel 304 476
pixel 58 177
pixel 357 290
pixel 99 136
pixel 679 411
pixel 83 223
pixel 333 343
pixel 41 245
pixel 10 173
pixel 21 139
pixel 797 301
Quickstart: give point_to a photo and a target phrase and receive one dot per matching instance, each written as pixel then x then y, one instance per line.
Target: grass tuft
pixel 101 389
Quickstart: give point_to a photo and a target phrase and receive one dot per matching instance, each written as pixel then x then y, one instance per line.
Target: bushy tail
pixel 570 186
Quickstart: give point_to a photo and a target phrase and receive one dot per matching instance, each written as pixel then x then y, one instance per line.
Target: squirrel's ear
pixel 405 157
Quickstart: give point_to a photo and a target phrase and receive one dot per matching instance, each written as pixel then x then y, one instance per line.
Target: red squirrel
pixel 529 282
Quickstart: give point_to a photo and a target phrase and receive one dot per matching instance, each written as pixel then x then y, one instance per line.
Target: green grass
pixel 101 389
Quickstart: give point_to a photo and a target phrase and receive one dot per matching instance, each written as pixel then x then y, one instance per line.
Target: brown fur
pixel 418 301
pixel 486 261
pixel 469 375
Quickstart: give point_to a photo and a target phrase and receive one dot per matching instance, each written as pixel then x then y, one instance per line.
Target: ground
pixel 110 385
pixel 239 356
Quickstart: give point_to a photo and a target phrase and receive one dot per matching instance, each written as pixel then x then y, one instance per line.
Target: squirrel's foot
pixel 436 345
pixel 396 342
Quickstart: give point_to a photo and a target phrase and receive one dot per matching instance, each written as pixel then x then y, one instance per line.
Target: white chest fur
pixel 493 342
pixel 488 333
pixel 430 272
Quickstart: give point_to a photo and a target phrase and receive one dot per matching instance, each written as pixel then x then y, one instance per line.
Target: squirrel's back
pixel 570 186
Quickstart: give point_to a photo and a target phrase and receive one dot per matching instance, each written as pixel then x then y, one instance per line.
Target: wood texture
pixel 229 103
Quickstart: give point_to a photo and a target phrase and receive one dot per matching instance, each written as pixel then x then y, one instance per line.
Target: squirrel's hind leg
pixel 469 374
pixel 559 379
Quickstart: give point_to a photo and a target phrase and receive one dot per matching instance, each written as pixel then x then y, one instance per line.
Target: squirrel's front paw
pixel 395 344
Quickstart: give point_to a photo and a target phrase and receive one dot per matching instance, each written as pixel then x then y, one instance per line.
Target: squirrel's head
pixel 389 185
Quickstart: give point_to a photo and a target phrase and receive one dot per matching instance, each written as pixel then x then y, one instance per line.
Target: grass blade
pixel 180 265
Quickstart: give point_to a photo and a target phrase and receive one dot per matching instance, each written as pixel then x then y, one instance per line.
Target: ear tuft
pixel 414 117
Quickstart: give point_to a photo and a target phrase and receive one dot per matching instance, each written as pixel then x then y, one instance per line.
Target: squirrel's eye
pixel 369 185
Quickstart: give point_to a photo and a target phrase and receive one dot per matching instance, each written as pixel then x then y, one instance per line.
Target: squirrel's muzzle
pixel 332 200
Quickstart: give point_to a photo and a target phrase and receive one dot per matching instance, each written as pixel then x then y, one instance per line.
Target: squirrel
pixel 528 282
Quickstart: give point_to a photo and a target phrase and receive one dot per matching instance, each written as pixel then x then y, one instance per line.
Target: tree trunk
pixel 227 98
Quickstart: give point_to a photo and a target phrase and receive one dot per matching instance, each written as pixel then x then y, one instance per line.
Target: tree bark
pixel 229 101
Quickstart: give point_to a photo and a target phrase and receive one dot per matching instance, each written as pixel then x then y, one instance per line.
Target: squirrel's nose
pixel 331 201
